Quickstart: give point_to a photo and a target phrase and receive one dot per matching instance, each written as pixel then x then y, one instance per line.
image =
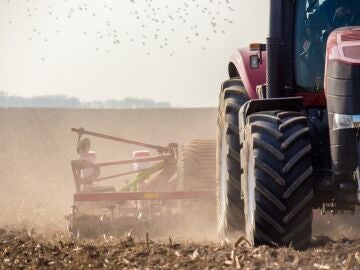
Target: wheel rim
pixel 250 223
pixel 222 184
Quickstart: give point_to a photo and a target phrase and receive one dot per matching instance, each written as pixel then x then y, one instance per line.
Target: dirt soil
pixel 25 250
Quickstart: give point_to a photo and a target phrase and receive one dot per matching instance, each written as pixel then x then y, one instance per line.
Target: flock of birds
pixel 148 24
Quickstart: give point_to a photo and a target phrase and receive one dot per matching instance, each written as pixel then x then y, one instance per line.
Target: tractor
pixel 288 139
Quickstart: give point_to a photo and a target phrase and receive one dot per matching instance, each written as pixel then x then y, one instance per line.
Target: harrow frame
pixel 161 189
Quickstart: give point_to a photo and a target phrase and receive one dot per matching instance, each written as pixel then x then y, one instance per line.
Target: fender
pixel 240 59
pixel 271 104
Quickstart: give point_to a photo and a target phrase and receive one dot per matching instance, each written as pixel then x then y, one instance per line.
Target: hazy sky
pixel 167 50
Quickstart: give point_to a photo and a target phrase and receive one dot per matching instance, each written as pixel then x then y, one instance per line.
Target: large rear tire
pixel 230 212
pixel 276 182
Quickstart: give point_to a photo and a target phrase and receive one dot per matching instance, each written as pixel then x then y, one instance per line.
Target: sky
pixel 175 51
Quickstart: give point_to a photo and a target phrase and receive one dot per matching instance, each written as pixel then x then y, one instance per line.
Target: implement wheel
pixel 276 182
pixel 196 165
pixel 230 212
pixel 196 171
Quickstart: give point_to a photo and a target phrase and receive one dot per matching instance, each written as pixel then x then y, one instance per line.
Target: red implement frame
pixel 82 131
pixel 167 156
pixel 128 196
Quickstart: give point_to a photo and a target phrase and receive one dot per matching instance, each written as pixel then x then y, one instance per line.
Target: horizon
pixel 98 51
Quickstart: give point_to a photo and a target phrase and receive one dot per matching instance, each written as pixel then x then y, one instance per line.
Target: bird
pixel 161 22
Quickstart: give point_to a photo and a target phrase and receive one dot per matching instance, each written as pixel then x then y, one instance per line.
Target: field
pixel 37 186
pixel 23 250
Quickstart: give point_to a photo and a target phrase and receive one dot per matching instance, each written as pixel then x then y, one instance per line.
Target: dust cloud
pixel 337 226
pixel 37 146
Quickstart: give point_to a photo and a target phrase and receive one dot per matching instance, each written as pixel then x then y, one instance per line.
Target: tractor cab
pixel 314 22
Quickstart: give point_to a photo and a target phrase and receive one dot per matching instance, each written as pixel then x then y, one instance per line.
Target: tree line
pixel 63 101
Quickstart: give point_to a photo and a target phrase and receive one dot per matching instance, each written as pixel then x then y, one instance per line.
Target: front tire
pixel 230 210
pixel 276 182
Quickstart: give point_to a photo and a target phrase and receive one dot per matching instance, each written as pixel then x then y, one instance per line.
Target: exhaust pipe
pixel 274 80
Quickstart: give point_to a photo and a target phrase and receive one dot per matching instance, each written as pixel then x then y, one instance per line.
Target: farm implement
pixel 164 182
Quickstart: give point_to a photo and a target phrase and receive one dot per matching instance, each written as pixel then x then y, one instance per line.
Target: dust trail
pixel 36 183
pixel 337 226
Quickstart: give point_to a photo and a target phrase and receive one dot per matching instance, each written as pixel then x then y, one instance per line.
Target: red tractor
pixel 288 128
